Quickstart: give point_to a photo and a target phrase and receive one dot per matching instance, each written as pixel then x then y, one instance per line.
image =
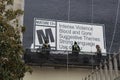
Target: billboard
pixel 62 35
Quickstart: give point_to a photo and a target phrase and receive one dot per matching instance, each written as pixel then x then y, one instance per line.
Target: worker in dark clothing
pixel 75 51
pixel 46 49
pixel 98 52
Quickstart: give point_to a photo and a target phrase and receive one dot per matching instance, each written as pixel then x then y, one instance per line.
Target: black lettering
pixel 42 36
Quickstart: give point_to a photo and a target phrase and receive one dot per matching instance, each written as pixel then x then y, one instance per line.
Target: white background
pixel 96 32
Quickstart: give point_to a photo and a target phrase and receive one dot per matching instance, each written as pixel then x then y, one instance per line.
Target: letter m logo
pixel 42 36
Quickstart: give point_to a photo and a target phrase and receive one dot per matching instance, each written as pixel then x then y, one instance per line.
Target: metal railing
pixel 107 70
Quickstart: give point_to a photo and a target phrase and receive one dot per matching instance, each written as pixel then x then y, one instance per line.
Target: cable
pixel 68 17
pixel 69 4
pixel 92 31
pixel 115 26
pixel 92 11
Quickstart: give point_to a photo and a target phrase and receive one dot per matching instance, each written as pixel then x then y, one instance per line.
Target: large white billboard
pixel 62 35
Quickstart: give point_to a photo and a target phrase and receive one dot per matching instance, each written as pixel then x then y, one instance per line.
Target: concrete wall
pixel 49 73
pixel 19 4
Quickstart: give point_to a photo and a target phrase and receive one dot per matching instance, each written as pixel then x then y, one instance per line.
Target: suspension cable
pixel 92 31
pixel 68 19
pixel 92 11
pixel 115 26
pixel 69 4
